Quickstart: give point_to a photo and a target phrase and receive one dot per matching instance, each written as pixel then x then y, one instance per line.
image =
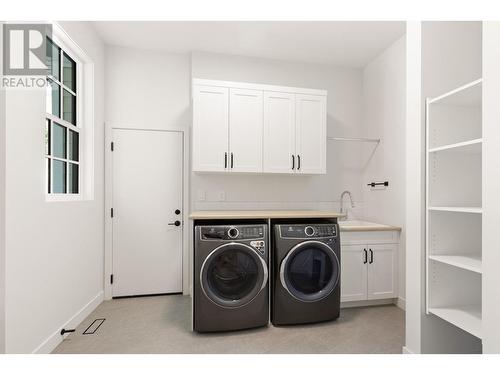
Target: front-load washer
pixel 306 273
pixel 230 277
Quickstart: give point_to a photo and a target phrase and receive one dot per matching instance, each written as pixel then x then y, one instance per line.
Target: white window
pixel 64 130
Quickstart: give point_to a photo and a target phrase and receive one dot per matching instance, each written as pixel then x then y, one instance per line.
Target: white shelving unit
pixel 454 206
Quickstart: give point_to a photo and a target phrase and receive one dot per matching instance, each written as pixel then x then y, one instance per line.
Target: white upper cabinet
pixel 245 130
pixel 310 133
pixel 279 132
pixel 210 128
pixel 253 128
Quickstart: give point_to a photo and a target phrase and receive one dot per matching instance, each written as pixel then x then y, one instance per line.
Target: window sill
pixel 64 198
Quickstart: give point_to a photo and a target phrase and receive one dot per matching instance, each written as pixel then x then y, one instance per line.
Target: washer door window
pixel 233 275
pixel 310 271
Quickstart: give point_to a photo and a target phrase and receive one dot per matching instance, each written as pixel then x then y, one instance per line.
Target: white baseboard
pixel 55 338
pixel 365 303
pixel 406 350
pixel 401 303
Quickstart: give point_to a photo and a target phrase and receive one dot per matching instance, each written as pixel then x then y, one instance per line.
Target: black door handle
pixel 231 160
pixel 298 162
pixel 366 256
pixel 176 223
pixel 371 256
pixel 225 160
pixel 293 162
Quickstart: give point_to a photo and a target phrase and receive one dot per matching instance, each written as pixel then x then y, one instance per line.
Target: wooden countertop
pixel 271 214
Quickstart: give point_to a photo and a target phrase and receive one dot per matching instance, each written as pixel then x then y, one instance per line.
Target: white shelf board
pixel 466 262
pixel 466 95
pixel 471 210
pixel 472 147
pixel 467 318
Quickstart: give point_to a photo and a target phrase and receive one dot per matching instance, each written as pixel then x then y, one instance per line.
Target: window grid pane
pixel 73 177
pixel 73 145
pixel 58 176
pixel 48 175
pixel 53 59
pixel 69 72
pixel 58 141
pixel 69 107
pixel 53 103
pixel 47 137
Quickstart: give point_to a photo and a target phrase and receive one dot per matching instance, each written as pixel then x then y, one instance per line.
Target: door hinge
pixel 111 279
pixel 112 146
pixel 112 213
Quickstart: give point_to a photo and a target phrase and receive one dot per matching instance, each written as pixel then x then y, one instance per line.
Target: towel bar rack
pixel 349 139
pixel 373 184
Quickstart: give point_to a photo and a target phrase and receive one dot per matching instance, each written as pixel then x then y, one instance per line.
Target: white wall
pixel 146 90
pixel 491 198
pixel 54 259
pixel 384 116
pixel 344 111
pixel 414 188
pixel 2 202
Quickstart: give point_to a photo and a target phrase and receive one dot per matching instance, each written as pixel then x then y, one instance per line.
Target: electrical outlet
pixel 222 196
pixel 202 195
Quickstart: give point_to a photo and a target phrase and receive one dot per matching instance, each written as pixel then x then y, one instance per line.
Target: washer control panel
pixel 308 231
pixel 260 246
pixel 232 232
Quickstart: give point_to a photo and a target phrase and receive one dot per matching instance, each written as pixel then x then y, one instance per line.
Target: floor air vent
pixel 91 329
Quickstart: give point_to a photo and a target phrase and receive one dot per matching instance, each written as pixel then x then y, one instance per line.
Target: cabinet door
pixel 382 271
pixel 210 128
pixel 353 272
pixel 279 132
pixel 311 133
pixel 245 130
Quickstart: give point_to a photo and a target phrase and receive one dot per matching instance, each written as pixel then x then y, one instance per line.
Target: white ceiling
pixel 342 43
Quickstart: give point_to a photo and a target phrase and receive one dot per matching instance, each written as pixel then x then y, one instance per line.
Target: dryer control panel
pixel 232 232
pixel 308 230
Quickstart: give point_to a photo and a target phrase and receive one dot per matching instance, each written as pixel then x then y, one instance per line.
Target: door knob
pixel 176 223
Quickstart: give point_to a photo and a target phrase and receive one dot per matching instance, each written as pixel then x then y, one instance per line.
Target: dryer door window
pixel 310 271
pixel 233 275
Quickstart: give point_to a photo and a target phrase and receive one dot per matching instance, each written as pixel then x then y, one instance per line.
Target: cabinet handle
pixel 371 256
pixel 298 162
pixel 366 256
pixel 225 160
pixel 293 162
pixel 231 160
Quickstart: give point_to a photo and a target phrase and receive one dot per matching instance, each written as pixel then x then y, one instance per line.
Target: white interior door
pixel 279 132
pixel 210 128
pixel 311 133
pixel 147 191
pixel 381 271
pixel 353 270
pixel 245 130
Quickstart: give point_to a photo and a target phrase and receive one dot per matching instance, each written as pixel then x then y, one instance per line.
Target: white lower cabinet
pixel 381 271
pixel 354 273
pixel 368 269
